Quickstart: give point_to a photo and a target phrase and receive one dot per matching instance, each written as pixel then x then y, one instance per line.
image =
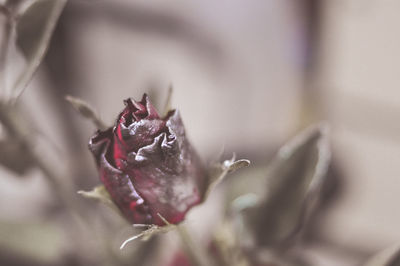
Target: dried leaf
pixel 293 183
pixel 387 257
pixel 13 156
pixel 218 171
pixel 86 111
pixel 150 231
pixel 101 194
pixel 34 30
pixel 15 153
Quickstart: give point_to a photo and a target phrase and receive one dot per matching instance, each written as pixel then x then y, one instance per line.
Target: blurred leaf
pixel 387 257
pixel 226 248
pixel 100 194
pixel 34 29
pixel 293 183
pixel 14 151
pixel 14 122
pixel 218 171
pixel 13 156
pixel 40 241
pixel 245 201
pixel 86 111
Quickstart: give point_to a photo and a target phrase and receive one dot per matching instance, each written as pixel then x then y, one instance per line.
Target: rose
pixel 148 166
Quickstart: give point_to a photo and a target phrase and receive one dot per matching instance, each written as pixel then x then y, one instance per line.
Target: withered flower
pixel 148 166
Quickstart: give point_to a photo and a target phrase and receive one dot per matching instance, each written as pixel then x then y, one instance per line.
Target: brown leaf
pixel 100 194
pixel 86 111
pixel 14 156
pixel 293 183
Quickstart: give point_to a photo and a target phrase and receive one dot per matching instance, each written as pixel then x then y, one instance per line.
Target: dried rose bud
pixel 148 166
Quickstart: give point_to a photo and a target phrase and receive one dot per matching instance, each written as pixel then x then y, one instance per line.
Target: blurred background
pixel 247 76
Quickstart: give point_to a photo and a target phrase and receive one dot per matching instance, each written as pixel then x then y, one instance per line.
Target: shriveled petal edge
pixel 99 145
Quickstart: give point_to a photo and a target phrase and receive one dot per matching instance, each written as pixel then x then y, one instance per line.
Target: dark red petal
pixel 98 144
pixel 168 175
pixel 140 110
pixel 151 111
pixel 188 155
pixel 118 184
pixel 138 134
pixel 136 127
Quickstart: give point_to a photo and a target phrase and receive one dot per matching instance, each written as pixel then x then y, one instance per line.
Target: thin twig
pixel 4 47
pixel 20 134
pixel 60 190
pixel 23 80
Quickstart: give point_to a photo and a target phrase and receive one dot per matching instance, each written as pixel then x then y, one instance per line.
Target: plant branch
pixel 87 111
pixel 19 133
pixel 23 80
pixel 197 255
pixel 60 190
pixel 4 46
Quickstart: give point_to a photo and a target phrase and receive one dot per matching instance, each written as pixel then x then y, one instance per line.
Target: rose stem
pixel 197 255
